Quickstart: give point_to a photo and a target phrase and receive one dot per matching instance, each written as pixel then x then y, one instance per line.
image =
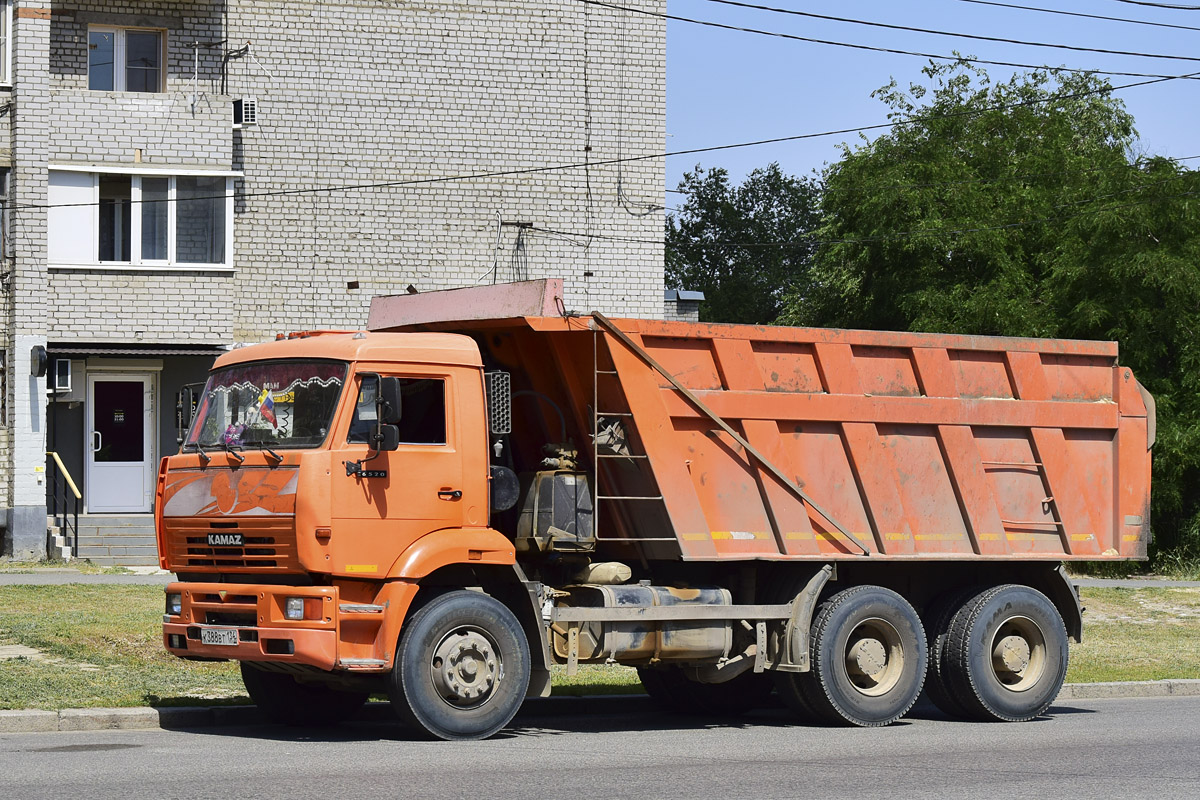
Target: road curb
pixel 1101 691
pixel 185 717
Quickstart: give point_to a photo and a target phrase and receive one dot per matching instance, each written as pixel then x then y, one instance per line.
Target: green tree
pixel 725 241
pixel 1020 209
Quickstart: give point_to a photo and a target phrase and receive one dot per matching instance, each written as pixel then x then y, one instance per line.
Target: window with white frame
pixel 126 59
pixel 5 249
pixel 140 219
pixel 6 11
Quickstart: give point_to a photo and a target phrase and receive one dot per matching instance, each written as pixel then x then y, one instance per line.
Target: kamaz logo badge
pixel 225 540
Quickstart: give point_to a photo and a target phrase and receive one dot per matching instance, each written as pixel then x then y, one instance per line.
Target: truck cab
pixel 300 532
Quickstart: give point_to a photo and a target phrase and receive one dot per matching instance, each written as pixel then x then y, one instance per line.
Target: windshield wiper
pixel 199 450
pixel 261 445
pixel 241 459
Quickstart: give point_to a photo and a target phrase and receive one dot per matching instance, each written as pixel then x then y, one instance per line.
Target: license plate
pixel 222 636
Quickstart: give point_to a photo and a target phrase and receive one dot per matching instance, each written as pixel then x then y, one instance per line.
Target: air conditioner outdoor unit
pixel 245 112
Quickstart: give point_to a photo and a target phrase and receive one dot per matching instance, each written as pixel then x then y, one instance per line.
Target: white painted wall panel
pixel 71 228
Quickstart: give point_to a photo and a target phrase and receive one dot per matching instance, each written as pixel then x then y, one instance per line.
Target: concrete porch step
pixel 125 540
pixel 123 561
pixel 88 549
pixel 116 539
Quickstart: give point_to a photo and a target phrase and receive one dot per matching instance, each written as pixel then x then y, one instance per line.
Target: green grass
pixel 1138 635
pixel 102 647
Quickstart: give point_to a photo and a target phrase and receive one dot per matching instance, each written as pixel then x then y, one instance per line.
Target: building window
pixel 140 220
pixel 6 10
pixel 5 243
pixel 125 59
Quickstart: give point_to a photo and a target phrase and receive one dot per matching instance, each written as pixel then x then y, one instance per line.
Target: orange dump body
pixel 869 444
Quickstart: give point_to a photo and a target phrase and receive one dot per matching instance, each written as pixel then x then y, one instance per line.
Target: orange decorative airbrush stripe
pixel 227 492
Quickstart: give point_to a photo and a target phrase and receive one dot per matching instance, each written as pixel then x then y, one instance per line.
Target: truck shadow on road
pixel 593 721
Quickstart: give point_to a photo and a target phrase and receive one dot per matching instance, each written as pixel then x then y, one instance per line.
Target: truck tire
pixel 673 690
pixel 868 660
pixel 1006 654
pixel 284 700
pixel 462 667
pixel 937 629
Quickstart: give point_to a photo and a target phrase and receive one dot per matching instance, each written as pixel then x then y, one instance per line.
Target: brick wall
pixel 357 92
pixel 123 128
pixel 26 283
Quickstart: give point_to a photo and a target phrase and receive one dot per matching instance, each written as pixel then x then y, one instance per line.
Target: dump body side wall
pixel 920 446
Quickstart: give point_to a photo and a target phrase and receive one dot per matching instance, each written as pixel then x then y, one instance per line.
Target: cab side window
pixel 422 411
pixel 365 414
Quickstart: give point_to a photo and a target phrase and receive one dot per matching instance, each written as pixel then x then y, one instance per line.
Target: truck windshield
pixel 270 404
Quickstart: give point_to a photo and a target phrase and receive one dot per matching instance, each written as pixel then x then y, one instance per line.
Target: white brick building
pixel 382 144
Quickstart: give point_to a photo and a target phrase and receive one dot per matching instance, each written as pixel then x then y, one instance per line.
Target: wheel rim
pixel 874 657
pixel 1018 653
pixel 466 667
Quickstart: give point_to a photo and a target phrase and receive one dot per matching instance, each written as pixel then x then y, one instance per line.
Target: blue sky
pixel 726 86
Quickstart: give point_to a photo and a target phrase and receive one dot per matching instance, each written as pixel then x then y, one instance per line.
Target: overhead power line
pixel 1172 6
pixel 646 157
pixel 975 181
pixel 871 48
pixel 978 37
pixel 912 233
pixel 1081 14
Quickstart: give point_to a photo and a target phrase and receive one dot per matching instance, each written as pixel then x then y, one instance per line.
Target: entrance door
pixel 119 453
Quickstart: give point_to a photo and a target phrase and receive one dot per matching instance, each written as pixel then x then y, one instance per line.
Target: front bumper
pixel 256 612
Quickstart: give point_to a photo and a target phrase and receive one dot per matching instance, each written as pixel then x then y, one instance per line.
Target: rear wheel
pixel 672 689
pixel 1006 654
pixel 462 667
pixel 868 660
pixel 284 700
pixel 937 682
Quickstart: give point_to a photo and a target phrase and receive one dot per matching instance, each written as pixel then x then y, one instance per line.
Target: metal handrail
pixel 62 481
pixel 66 474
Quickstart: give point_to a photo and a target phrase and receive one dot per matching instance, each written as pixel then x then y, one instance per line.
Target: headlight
pixel 293 608
pixel 174 604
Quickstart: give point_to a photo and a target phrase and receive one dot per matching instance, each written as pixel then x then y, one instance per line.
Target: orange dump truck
pixel 483 485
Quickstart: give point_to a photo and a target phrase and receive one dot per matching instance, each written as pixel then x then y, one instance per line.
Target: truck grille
pixel 269 545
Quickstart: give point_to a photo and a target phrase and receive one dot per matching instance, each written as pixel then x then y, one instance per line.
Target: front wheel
pixel 868 660
pixel 283 699
pixel 1006 654
pixel 462 667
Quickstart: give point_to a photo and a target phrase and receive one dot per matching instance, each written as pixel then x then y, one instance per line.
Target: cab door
pixel 395 498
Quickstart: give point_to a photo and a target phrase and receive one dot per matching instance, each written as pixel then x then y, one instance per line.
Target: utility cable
pixel 1000 179
pixel 871 48
pixel 913 233
pixel 646 157
pixel 1172 6
pixel 1081 14
pixel 975 36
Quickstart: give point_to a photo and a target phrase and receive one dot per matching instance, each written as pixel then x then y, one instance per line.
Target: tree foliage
pixel 714 242
pixel 1019 209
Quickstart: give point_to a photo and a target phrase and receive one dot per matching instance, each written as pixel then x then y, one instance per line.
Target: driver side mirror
pixel 388 402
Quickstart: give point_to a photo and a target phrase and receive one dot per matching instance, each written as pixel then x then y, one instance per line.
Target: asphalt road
pixel 1099 748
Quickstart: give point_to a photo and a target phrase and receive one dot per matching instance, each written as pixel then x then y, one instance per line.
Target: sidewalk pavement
pixel 151 576
pixel 186 717
pixel 60 576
